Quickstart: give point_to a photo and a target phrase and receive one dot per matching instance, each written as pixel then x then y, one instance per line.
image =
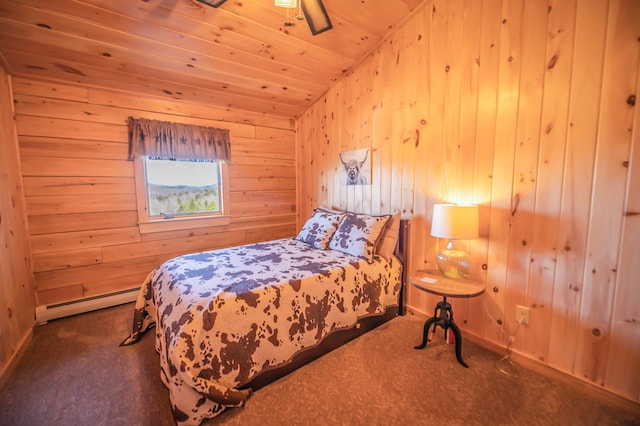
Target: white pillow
pixel 358 235
pixel 389 238
pixel 319 228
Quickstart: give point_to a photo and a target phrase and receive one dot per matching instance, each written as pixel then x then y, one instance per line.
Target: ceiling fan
pixel 313 10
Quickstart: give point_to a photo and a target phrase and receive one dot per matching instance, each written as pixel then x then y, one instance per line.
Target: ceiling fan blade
pixel 316 16
pixel 214 3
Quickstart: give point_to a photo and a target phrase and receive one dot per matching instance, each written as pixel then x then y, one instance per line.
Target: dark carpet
pixel 74 373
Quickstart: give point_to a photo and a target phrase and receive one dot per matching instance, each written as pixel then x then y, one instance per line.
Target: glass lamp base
pixel 453 263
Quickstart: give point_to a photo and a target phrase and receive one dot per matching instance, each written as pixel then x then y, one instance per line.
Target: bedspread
pixel 224 316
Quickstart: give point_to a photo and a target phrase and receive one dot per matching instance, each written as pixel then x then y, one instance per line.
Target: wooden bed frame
pixel 339 337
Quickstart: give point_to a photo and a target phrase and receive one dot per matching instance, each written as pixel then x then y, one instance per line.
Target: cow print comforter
pixel 224 316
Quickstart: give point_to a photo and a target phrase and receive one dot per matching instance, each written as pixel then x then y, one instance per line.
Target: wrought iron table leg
pixel 425 332
pixel 443 319
pixel 458 337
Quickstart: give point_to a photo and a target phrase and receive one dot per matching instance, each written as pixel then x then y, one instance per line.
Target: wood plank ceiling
pixel 240 56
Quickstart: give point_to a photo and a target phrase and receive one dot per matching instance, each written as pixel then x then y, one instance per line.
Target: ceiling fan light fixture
pixel 313 10
pixel 288 4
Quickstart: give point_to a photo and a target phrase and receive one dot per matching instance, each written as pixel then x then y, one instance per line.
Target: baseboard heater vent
pixel 59 310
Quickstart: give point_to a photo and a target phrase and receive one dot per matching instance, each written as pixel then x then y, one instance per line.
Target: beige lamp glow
pixel 454 222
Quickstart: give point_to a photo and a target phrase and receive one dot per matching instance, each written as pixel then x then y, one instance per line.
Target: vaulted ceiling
pixel 239 56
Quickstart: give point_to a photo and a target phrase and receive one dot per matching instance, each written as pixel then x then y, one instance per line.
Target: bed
pixel 228 322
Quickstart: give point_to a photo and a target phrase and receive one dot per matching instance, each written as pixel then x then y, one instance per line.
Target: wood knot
pixel 447 68
pixel 496 289
pixel 549 128
pixel 596 332
pixel 567 248
pixel 499 322
pixel 631 100
pixel 484 266
pixel 524 242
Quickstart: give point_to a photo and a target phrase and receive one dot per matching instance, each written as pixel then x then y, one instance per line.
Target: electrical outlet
pixel 523 314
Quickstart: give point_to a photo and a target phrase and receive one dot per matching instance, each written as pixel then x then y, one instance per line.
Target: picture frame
pixel 355 167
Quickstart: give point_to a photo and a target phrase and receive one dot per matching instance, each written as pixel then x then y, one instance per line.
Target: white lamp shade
pixel 455 222
pixel 289 4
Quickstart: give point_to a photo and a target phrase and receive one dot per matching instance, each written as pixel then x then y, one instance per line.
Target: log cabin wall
pixel 17 303
pixel 80 187
pixel 526 108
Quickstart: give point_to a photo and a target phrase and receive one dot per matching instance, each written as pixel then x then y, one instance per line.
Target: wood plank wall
pixel 17 314
pixel 80 187
pixel 526 108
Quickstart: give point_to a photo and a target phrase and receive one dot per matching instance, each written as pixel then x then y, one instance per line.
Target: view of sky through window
pixel 182 188
pixel 181 173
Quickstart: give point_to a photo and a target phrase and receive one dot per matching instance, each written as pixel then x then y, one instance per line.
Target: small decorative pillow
pixel 319 228
pixel 389 238
pixel 358 235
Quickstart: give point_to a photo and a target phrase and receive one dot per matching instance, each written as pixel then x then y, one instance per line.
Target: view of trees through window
pixel 182 187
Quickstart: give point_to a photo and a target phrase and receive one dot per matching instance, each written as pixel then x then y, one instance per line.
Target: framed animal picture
pixel 355 167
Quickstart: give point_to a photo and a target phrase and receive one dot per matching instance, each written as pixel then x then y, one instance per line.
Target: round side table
pixel 435 283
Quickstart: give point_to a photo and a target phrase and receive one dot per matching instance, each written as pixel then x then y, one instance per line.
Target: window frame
pixel 149 224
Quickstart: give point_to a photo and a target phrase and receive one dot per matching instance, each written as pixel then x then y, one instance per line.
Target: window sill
pixel 177 224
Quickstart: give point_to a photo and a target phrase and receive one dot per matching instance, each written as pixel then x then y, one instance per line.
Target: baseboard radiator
pixel 46 313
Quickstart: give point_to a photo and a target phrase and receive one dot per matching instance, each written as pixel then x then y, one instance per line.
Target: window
pixel 182 188
pixel 174 194
pixel 190 194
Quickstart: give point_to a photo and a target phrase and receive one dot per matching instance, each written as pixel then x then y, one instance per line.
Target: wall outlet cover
pixel 523 314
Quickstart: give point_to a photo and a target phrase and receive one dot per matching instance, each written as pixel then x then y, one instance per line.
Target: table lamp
pixel 454 222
